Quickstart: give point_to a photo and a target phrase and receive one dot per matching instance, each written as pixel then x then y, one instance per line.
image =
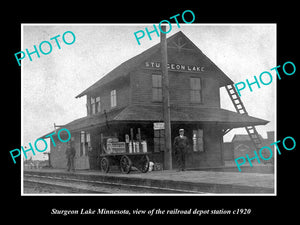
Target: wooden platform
pixel 189 182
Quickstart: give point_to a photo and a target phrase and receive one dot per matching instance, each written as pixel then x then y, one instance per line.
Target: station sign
pixel 159 126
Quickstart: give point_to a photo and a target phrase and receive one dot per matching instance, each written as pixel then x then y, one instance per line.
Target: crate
pixel 116 147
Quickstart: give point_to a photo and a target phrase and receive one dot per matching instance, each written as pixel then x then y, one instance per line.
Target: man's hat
pixel 181 130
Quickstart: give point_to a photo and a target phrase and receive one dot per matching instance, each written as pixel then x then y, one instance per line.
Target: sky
pixel 51 82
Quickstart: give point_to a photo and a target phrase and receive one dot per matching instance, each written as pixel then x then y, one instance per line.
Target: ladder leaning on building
pixel 240 108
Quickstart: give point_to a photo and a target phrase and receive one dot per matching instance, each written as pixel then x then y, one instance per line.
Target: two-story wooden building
pixel 130 96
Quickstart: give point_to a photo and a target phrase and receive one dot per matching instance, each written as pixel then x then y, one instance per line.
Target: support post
pixel 101 144
pixel 131 138
pixel 166 101
pixel 140 139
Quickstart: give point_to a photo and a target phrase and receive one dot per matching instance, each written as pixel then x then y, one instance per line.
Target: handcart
pixel 125 156
pixel 125 161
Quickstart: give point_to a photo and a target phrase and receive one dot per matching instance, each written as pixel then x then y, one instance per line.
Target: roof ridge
pixel 130 64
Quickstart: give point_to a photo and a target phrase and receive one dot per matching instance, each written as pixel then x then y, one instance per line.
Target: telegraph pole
pixel 166 100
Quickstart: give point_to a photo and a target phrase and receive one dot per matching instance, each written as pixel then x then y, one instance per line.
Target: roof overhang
pixel 148 114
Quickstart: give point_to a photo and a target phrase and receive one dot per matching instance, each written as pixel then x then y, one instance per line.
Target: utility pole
pixel 166 100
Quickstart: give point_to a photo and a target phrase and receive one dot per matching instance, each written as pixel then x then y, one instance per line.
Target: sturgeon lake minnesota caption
pixel 89 211
pixel 150 212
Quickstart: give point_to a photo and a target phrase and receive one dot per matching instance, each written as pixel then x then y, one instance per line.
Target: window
pixel 198 140
pixel 82 143
pixel 98 105
pixel 93 105
pixel 113 98
pixel 156 87
pixel 85 143
pixel 195 85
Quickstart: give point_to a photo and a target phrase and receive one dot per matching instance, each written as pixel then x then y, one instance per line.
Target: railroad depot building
pixel 125 108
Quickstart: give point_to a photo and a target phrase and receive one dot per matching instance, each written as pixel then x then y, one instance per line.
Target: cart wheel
pixel 125 164
pixel 144 164
pixel 104 163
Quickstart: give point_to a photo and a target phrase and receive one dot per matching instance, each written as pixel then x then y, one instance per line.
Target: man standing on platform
pixel 70 153
pixel 181 145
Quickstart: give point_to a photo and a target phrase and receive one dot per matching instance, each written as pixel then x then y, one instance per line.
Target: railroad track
pixel 53 184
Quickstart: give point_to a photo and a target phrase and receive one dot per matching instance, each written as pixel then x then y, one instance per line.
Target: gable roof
pixel 129 65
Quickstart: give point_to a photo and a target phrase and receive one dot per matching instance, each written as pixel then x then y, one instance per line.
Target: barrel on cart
pixel 125 156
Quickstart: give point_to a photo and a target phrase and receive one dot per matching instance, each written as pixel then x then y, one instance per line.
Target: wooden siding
pixel 123 96
pixel 179 84
pixel 58 154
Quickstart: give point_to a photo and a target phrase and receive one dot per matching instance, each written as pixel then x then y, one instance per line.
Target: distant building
pixel 241 145
pixel 35 164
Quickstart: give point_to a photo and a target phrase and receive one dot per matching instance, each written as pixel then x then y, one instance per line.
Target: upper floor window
pixel 195 89
pixel 156 87
pixel 98 104
pixel 113 98
pixel 95 105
